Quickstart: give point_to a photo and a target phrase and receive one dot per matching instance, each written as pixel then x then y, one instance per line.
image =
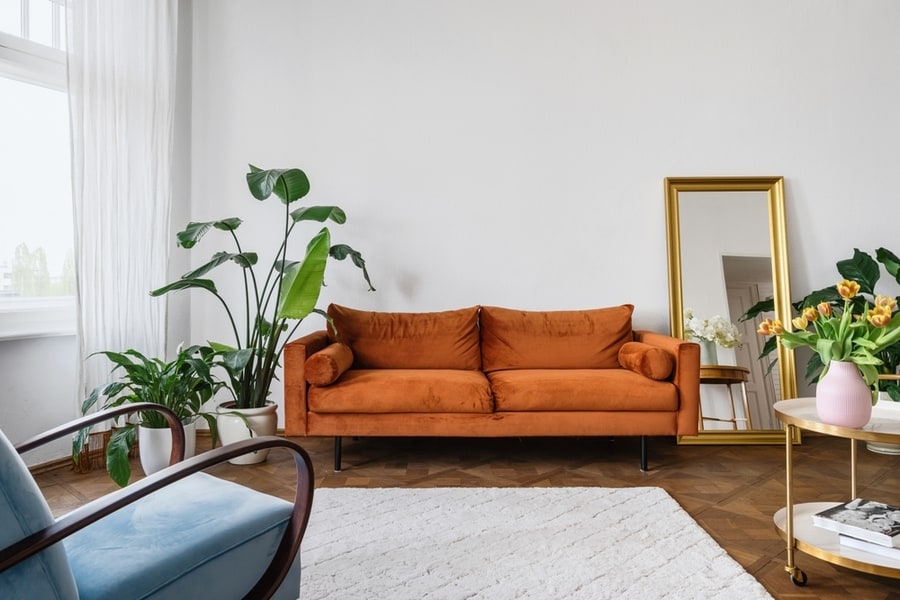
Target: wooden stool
pixel 727 375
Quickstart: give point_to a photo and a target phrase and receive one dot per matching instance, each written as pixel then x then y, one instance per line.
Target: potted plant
pixel 852 331
pixel 184 385
pixel 864 271
pixel 709 333
pixel 272 305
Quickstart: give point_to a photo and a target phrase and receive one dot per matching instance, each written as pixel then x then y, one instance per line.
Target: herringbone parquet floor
pixel 731 491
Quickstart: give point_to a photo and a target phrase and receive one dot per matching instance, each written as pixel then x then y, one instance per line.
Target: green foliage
pixel 183 385
pixel 863 345
pixel 288 292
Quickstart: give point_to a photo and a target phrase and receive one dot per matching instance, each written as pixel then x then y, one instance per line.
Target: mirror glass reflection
pixel 727 252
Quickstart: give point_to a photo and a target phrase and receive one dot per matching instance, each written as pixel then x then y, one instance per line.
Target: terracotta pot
pixel 842 396
pixel 236 424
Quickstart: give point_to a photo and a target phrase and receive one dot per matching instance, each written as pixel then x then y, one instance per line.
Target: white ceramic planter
pixel 709 354
pixel 885 404
pixel 255 422
pixel 155 446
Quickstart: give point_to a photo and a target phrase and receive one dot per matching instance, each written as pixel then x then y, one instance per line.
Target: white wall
pixel 513 153
pixel 38 380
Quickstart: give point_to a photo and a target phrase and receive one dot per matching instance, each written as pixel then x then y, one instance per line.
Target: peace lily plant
pixel 714 329
pixel 274 302
pixel 183 384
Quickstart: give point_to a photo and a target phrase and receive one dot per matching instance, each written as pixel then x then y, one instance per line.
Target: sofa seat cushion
pixel 393 340
pixel 580 390
pixel 563 339
pixel 404 391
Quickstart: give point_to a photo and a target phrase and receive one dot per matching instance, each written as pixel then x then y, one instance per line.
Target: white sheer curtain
pixel 122 101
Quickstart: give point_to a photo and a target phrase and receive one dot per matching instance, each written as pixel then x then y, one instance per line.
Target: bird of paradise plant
pixel 272 305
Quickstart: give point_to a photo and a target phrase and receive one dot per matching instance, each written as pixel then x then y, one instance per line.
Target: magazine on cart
pixel 858 544
pixel 863 519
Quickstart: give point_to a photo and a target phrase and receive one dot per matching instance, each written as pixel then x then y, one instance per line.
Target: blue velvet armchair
pixel 179 533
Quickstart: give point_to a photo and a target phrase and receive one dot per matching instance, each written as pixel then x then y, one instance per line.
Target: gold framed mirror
pixel 727 250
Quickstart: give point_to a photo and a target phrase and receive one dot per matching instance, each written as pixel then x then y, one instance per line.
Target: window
pixel 37 274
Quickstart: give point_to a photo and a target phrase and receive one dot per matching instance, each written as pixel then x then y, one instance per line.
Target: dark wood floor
pixel 731 491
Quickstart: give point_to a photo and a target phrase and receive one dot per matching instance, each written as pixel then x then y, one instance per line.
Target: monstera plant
pixel 276 300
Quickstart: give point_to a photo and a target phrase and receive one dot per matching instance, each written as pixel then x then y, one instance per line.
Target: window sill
pixel 37 317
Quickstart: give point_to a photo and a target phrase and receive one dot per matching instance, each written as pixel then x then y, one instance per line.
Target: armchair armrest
pixel 93 511
pixel 171 418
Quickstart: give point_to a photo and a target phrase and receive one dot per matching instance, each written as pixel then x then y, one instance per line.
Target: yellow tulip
pixel 800 323
pixel 824 309
pixel 886 302
pixel 879 316
pixel 770 327
pixel 847 289
pixel 810 314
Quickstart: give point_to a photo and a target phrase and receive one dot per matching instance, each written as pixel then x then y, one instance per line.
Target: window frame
pixel 36 64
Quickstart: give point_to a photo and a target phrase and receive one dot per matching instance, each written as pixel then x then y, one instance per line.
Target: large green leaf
pixel 108 390
pixel 763 306
pixel 186 284
pixel 862 269
pixel 242 259
pixel 890 261
pixel 320 214
pixel 117 455
pixel 288 184
pixel 235 360
pixel 79 442
pixel 303 282
pixel 829 295
pixel 342 251
pixel 192 234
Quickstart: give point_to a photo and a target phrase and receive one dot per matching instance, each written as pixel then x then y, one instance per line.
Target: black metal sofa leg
pixel 643 453
pixel 337 454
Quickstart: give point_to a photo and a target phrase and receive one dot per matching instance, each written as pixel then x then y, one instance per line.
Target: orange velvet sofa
pixel 487 371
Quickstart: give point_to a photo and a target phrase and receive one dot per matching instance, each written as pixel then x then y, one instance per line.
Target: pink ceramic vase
pixel 842 396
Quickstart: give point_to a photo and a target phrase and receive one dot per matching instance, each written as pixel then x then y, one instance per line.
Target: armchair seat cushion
pixel 175 543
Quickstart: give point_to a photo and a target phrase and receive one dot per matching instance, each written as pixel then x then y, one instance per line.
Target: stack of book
pixel 864 525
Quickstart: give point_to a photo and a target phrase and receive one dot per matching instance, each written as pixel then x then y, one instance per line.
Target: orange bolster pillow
pixel 646 360
pixel 325 366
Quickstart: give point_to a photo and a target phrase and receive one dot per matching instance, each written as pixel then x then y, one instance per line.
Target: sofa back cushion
pixel 389 340
pixel 565 339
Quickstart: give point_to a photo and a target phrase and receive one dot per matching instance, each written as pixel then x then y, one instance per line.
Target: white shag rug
pixel 512 543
